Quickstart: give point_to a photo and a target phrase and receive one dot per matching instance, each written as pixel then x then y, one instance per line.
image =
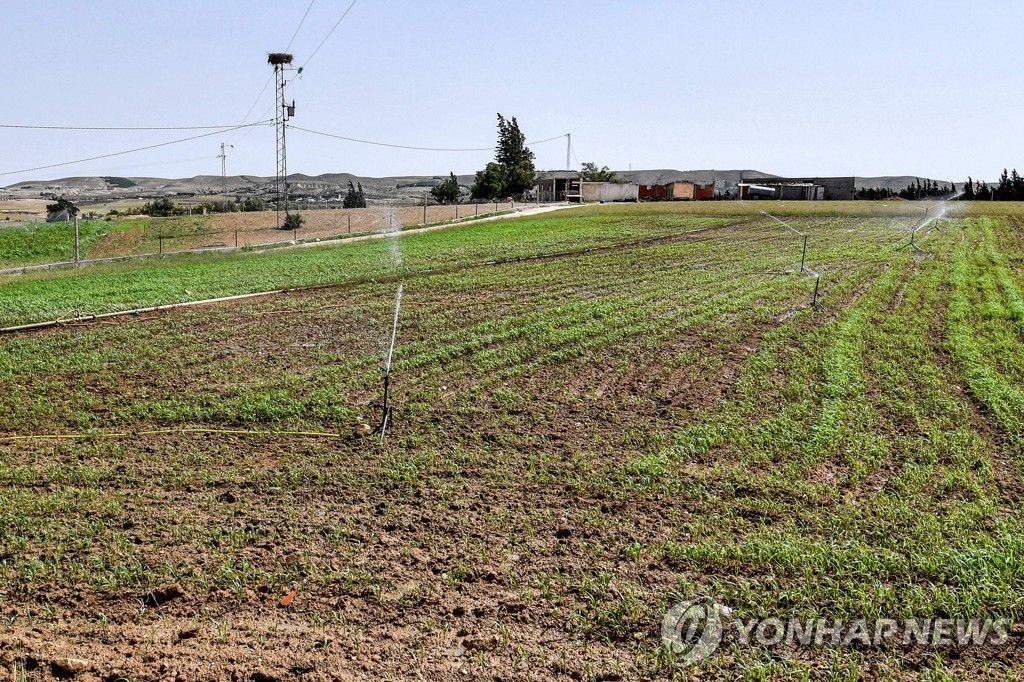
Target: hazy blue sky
pixel 789 87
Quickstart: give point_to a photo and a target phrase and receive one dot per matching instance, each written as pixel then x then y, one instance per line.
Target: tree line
pixel 915 190
pixel 1010 188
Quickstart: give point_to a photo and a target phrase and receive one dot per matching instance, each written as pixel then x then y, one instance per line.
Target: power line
pixel 300 25
pixel 404 146
pixel 396 146
pixel 271 77
pixel 550 139
pixel 32 127
pixel 131 151
pixel 258 98
pixel 310 58
pixel 266 111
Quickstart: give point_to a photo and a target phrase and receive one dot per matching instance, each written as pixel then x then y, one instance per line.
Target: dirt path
pixel 516 213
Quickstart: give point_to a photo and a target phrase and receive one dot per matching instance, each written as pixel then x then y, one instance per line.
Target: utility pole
pixel 283 111
pixel 224 174
pixel 568 148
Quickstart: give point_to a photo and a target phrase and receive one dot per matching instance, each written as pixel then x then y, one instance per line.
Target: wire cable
pixel 404 146
pixel 256 102
pixel 31 127
pixel 132 151
pixel 396 146
pixel 271 77
pixel 310 58
pixel 300 25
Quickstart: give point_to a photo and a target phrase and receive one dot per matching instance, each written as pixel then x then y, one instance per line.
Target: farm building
pixel 798 189
pixel 558 186
pixel 679 190
pixel 609 191
pixel 651 192
pixel 689 191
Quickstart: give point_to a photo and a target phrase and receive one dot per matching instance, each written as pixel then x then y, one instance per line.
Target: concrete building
pixel 558 186
pixel 799 189
pixel 678 190
pixel 609 191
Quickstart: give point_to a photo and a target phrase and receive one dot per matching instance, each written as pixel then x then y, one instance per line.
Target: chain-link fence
pixel 129 237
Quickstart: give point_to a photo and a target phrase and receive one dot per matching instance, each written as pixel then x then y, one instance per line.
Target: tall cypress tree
pixel 512 172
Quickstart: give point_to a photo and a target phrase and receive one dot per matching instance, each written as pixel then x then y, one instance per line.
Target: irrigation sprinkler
pixel 912 244
pixel 803 254
pixel 817 284
pixel 804 270
pixel 385 415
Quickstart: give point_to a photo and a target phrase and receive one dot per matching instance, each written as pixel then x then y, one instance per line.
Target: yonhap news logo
pixel 693 630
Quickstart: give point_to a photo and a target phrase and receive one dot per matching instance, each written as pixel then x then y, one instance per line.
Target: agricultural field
pixel 35 243
pixel 598 413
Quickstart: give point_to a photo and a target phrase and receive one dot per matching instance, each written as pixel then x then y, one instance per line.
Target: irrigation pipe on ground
pixel 165 432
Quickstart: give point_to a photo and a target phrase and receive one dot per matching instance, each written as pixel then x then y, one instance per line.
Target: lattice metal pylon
pixel 280 121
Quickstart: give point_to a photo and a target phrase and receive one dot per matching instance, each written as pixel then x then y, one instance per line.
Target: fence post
pixel 77 252
pixel 236 237
pixel 476 208
pixel 424 208
pixel 803 255
pixel 350 223
pixel 456 210
pixel 160 238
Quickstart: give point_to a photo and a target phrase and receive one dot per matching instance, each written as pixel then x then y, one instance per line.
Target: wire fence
pixel 140 237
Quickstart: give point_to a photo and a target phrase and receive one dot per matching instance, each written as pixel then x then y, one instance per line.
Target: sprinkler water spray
pixel 385 415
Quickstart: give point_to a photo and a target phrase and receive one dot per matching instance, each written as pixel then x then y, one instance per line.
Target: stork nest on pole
pixel 279 58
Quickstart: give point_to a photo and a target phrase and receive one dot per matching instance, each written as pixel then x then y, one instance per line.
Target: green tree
pixel 1002 192
pixel 62 204
pixel 354 198
pixel 591 173
pixel 512 171
pixel 162 208
pixel 254 204
pixel 969 189
pixel 488 182
pixel 1016 186
pixel 292 221
pixel 447 191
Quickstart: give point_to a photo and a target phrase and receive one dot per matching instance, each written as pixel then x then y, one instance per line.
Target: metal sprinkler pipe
pixel 804 270
pixel 385 416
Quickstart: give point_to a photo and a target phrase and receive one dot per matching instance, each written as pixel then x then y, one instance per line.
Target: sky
pixel 790 87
